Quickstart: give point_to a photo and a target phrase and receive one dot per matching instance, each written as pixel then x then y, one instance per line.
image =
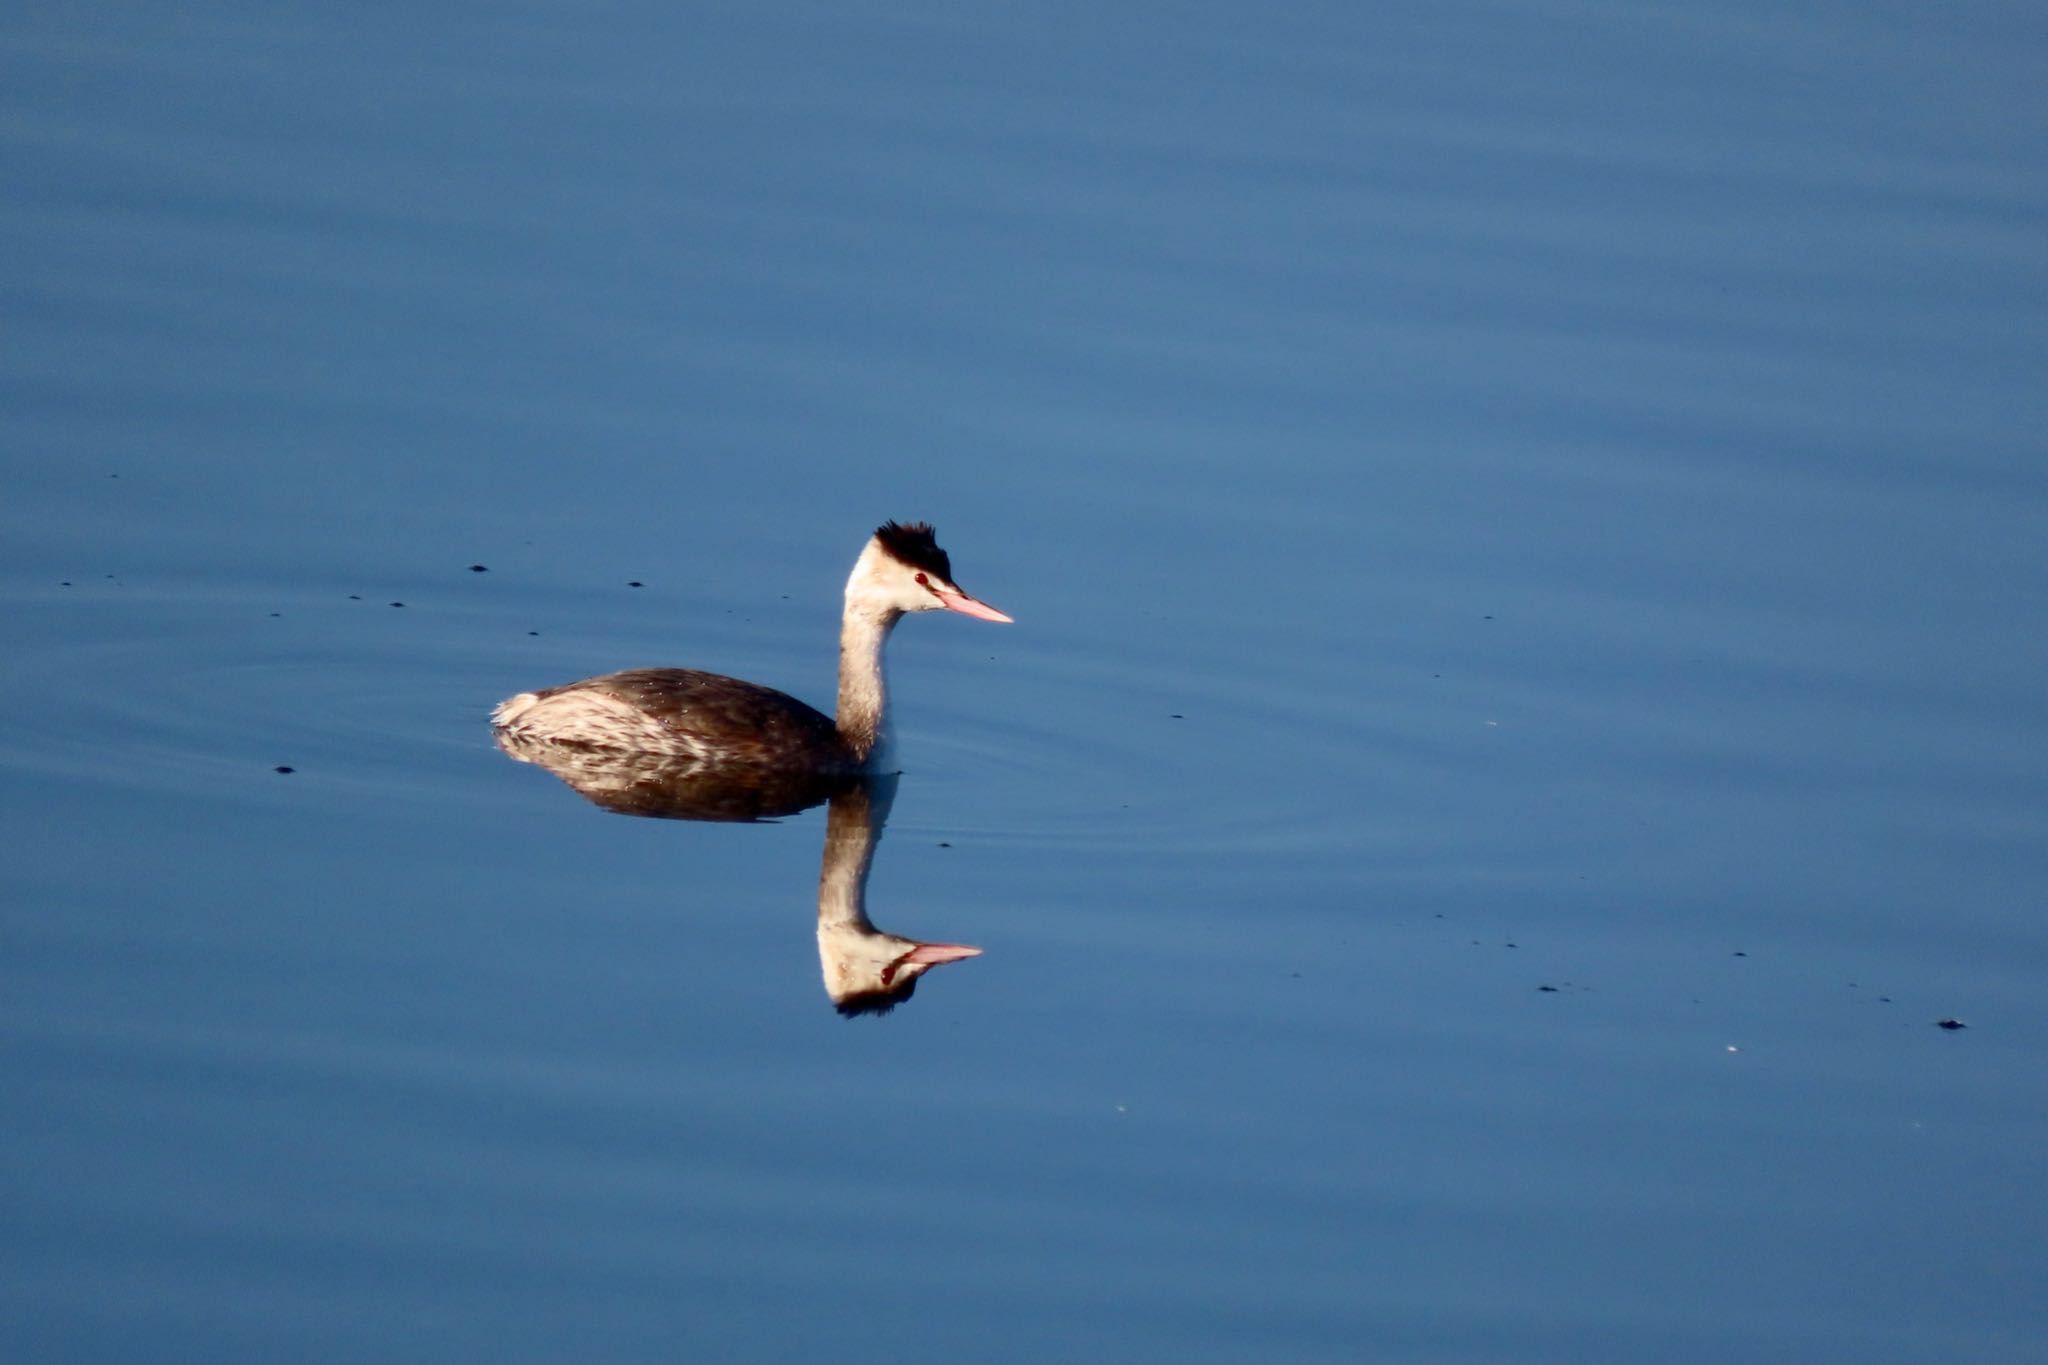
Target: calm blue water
pixel 1525 524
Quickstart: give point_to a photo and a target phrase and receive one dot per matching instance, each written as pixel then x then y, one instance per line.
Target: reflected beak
pixel 931 954
pixel 969 606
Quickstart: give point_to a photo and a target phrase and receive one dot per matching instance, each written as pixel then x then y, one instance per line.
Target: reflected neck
pixel 863 717
pixel 853 825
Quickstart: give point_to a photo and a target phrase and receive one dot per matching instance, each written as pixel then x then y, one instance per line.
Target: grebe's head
pixel 870 972
pixel 903 569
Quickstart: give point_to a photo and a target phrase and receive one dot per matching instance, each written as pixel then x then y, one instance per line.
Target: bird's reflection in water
pixel 866 970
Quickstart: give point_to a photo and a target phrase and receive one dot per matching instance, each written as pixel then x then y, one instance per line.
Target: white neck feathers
pixel 863 691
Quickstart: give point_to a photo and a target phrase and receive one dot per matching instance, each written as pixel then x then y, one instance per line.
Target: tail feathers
pixel 507 712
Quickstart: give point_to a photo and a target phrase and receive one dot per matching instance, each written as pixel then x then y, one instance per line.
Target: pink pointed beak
pixel 931 954
pixel 970 606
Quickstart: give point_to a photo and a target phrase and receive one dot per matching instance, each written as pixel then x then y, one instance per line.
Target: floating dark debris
pixel 398 604
pixel 355 597
pixel 636 583
pixel 281 768
pixel 944 844
pixel 1950 1024
pixel 478 568
pixel 1551 990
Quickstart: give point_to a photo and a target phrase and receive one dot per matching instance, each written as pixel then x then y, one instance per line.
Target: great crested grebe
pixel 709 718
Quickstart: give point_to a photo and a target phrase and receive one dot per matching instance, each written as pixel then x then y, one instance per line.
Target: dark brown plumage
pixel 666 786
pixel 877 1002
pixel 915 544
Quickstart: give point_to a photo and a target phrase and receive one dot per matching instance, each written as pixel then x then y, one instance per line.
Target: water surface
pixel 1524 523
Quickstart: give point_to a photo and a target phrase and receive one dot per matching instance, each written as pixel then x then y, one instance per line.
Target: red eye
pixel 923 581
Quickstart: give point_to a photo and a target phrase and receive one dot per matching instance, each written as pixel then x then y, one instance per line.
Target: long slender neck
pixel 853 826
pixel 863 695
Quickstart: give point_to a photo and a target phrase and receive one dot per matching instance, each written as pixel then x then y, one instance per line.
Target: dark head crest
pixel 876 1002
pixel 913 544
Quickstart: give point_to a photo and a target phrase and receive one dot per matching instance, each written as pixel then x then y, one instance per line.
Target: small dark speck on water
pixel 944 844
pixel 478 568
pixel 276 614
pixel 1950 1024
pixel 355 597
pixel 1739 953
pixel 398 604
pixel 281 768
pixel 1552 990
pixel 533 632
pixel 636 583
pixel 65 584
pixel 1176 716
